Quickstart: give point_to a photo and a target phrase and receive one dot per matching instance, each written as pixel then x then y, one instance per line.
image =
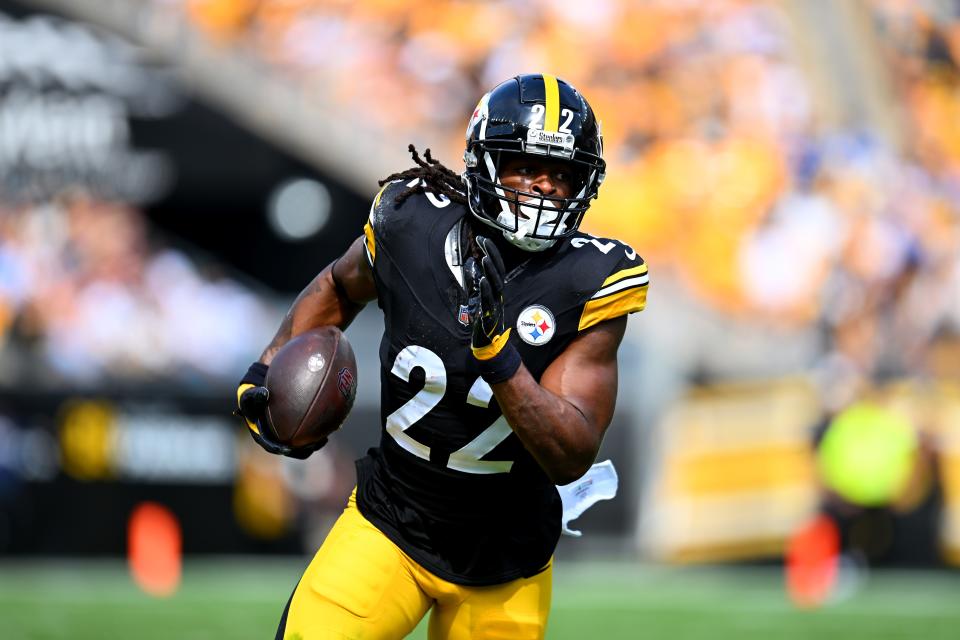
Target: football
pixel 312 382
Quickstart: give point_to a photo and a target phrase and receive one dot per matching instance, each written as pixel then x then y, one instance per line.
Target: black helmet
pixel 540 115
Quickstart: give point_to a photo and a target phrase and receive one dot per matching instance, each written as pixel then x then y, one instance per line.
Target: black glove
pixel 252 400
pixel 490 343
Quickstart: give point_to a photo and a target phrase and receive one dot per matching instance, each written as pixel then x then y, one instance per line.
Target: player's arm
pixel 334 297
pixel 561 420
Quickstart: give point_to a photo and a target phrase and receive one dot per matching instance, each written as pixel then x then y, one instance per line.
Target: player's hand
pixel 252 400
pixel 252 403
pixel 490 342
pixel 490 333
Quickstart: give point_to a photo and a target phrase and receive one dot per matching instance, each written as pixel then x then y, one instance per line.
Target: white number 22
pixel 467 458
pixel 539 112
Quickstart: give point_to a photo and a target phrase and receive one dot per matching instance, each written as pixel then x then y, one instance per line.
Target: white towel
pixel 599 483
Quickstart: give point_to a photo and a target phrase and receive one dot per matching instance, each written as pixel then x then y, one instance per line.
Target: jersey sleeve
pixel 375 225
pixel 622 290
pixel 394 228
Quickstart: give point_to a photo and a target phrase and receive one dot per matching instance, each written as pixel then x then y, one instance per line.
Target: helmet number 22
pixel 466 458
pixel 540 112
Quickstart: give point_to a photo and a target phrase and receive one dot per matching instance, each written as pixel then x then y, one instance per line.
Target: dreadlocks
pixel 432 176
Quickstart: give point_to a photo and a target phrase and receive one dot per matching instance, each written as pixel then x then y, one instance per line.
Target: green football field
pixel 242 598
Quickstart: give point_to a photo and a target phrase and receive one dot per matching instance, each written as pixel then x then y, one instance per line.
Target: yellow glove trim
pixel 250 425
pixel 491 350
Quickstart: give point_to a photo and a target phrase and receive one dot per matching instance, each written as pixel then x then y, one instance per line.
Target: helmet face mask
pixel 523 116
pixel 531 221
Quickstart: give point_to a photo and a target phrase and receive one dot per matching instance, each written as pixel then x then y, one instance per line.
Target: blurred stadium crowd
pixel 722 170
pixel 88 297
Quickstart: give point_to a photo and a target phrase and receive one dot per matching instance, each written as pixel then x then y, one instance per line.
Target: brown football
pixel 312 382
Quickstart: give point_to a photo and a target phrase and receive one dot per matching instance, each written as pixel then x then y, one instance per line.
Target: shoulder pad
pixel 615 278
pixel 387 218
pixel 380 208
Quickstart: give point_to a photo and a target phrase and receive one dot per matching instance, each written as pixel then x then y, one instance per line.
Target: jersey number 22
pixel 466 458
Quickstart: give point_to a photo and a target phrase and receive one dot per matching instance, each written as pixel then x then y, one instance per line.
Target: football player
pixel 498 376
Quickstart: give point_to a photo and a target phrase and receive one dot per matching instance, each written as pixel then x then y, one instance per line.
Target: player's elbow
pixel 568 474
pixel 572 467
pixel 578 450
pixel 569 449
pixel 566 477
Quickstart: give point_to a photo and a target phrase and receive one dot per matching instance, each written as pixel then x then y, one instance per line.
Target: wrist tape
pixel 500 367
pixel 256 374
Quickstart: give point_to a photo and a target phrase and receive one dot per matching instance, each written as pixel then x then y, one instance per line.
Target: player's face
pixel 543 176
pixel 534 179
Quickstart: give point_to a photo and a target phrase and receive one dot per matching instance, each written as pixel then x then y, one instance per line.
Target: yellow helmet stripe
pixel 551 120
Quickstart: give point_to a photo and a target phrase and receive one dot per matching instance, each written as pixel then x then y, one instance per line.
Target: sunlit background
pixel 787 434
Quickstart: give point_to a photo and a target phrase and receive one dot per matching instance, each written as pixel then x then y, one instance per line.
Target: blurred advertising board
pixel 70 98
pixel 735 472
pixel 73 468
pixel 740 470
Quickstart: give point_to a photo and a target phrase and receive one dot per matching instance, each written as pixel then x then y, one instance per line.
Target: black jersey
pixel 450 483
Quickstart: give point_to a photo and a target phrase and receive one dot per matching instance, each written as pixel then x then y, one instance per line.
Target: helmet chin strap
pixel 526 226
pixel 532 245
pixel 547 213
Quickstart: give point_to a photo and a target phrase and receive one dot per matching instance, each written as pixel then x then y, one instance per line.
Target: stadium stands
pixel 721 164
pixel 88 297
pixel 730 169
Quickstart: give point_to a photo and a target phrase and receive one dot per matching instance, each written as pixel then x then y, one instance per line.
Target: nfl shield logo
pixel 347 384
pixel 464 316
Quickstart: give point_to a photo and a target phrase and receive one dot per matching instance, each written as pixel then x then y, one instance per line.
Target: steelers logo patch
pixel 536 325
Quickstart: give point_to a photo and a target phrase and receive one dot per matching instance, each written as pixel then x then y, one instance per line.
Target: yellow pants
pixel 361 585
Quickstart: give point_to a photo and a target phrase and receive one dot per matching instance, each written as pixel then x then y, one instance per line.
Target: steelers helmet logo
pixel 536 325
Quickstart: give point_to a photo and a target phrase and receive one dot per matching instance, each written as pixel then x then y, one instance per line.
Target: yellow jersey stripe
pixel 613 306
pixel 626 283
pixel 371 242
pixel 619 275
pixel 376 199
pixel 551 120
